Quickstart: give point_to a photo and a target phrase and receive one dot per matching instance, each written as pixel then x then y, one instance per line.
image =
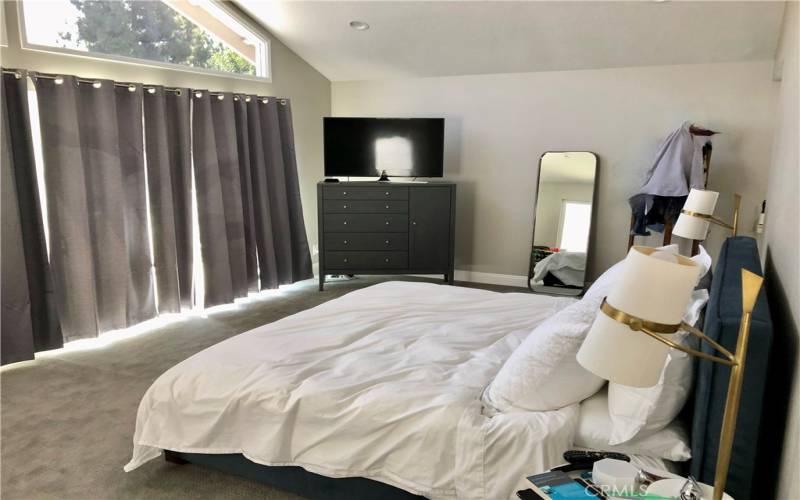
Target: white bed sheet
pixel 382 383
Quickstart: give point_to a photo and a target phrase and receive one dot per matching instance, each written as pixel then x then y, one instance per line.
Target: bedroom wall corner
pixel 292 77
pixel 498 125
pixel 780 451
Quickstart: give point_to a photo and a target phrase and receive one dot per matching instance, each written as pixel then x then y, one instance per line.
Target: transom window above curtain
pixel 198 34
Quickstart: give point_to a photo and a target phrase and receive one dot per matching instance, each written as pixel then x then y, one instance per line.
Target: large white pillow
pixel 602 286
pixel 594 432
pixel 641 411
pixel 542 373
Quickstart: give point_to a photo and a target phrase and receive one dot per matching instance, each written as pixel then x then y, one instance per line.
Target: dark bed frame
pixel 722 317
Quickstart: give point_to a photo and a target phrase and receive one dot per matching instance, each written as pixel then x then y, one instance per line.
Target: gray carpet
pixel 67 421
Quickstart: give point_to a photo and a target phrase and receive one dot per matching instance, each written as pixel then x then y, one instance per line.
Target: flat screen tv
pixel 400 147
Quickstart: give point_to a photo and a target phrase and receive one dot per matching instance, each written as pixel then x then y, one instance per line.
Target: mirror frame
pixel 589 245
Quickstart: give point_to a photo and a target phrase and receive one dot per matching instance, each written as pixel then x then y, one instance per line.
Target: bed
pixel 561 268
pixel 376 394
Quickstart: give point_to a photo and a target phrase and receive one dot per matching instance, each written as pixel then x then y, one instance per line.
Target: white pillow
pixel 542 373
pixel 641 411
pixel 603 285
pixel 594 431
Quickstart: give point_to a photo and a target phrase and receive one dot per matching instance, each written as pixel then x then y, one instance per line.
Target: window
pixel 573 229
pixel 198 34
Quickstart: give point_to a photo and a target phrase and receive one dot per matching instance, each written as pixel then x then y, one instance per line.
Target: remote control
pixel 589 457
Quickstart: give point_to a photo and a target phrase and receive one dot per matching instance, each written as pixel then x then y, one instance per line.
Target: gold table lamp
pixel 698 213
pixel 650 297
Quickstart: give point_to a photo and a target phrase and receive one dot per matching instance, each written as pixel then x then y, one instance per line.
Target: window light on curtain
pixel 119 164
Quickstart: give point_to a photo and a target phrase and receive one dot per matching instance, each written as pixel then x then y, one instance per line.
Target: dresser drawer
pixel 364 193
pixel 366 260
pixel 366 241
pixel 366 206
pixel 366 223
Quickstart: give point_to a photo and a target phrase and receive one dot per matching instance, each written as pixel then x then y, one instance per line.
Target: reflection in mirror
pixel 562 222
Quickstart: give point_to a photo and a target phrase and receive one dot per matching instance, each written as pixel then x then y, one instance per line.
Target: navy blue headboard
pixel 723 315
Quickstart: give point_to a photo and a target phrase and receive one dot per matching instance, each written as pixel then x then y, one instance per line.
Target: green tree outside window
pixel 151 30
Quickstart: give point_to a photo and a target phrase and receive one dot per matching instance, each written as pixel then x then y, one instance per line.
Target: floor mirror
pixel 562 223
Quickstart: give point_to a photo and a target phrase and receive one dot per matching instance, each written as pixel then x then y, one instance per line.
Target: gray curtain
pixel 95 183
pixel 280 236
pixel 29 316
pixel 251 222
pixel 246 178
pixel 218 194
pixel 301 253
pixel 169 178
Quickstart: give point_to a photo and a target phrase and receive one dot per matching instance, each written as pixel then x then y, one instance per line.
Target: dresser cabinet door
pixel 429 227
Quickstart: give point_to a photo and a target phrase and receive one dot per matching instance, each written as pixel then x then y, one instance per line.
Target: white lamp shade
pixel 689 226
pixel 692 228
pixel 650 288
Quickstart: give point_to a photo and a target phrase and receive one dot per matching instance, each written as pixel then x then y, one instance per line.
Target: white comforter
pixel 569 267
pixel 383 383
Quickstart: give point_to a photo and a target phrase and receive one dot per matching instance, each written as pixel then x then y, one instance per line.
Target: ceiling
pixel 439 38
pixel 577 167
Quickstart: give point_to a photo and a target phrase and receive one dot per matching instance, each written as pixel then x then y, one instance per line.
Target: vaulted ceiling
pixel 421 39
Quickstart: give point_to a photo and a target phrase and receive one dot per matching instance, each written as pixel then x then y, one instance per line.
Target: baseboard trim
pixel 486 278
pixel 492 278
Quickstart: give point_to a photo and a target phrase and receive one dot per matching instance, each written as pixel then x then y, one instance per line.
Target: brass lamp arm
pixel 709 218
pixel 728 360
pixel 720 222
pixel 658 330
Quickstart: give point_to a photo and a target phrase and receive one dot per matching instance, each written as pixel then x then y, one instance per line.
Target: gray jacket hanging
pixel 677 167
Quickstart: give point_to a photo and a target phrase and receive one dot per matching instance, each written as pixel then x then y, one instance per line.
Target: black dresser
pixel 386 228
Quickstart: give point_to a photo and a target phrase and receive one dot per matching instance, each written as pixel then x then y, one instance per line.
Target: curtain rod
pixel 150 89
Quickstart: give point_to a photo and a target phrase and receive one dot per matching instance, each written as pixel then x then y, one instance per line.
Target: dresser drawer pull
pixel 386 193
pixel 387 222
pixel 386 259
pixel 413 223
pixel 344 206
pixel 387 242
pixel 346 260
pixel 345 242
pixel 345 223
pixel 387 207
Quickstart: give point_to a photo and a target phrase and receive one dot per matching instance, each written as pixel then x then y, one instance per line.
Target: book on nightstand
pixel 557 485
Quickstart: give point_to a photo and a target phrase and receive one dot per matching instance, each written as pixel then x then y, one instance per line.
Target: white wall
pixel 783 253
pixel 292 77
pixel 499 125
